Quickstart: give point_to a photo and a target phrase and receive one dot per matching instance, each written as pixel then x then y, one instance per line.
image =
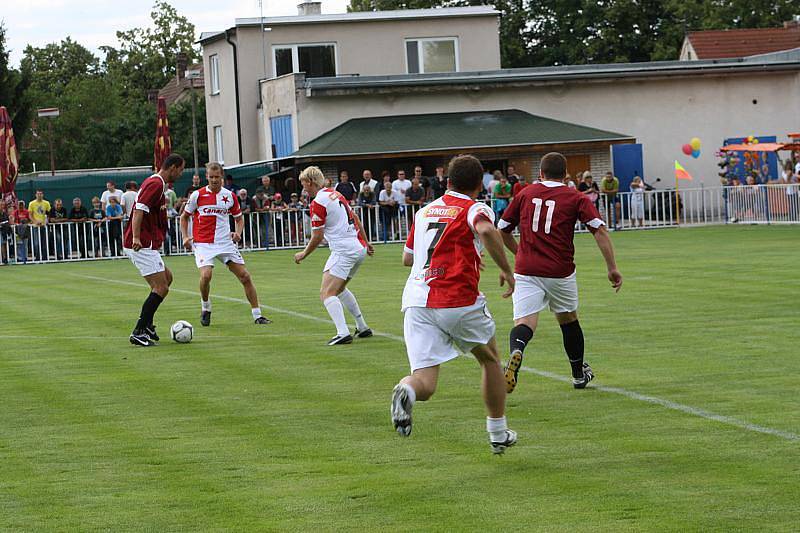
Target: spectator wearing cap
pixel 260 204
pixel 230 185
pixel 278 209
pixel 345 188
pixel 78 215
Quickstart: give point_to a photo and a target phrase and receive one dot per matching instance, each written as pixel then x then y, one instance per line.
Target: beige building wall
pixel 662 114
pixel 365 48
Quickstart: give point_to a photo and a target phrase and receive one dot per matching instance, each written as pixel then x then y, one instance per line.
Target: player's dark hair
pixel 554 166
pixel 466 173
pixel 172 160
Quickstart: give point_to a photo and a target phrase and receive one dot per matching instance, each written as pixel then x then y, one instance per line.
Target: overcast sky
pixel 93 23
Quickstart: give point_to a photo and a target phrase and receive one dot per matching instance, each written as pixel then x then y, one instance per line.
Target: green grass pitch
pixel 266 428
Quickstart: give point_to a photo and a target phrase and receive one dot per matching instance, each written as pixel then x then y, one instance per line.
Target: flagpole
pixel 677 202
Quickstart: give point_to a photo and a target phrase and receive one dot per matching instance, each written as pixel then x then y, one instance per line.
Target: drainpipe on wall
pixel 236 91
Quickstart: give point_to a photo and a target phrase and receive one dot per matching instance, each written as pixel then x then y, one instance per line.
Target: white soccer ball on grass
pixel 181 332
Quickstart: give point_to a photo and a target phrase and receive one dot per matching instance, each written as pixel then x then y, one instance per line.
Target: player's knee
pixel 245 278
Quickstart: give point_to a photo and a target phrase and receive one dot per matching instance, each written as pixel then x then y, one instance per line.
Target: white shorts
pixel 148 261
pixel 532 294
pixel 204 254
pixel 344 265
pixel 435 336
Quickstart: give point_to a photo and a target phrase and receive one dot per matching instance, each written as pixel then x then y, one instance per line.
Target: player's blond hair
pixel 213 165
pixel 314 175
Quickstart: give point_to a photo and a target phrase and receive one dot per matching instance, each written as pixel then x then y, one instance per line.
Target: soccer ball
pixel 181 331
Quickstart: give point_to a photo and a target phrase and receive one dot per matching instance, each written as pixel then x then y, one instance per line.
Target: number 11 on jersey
pixel 537 212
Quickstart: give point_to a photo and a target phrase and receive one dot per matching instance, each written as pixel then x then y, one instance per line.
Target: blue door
pixel 628 163
pixel 282 138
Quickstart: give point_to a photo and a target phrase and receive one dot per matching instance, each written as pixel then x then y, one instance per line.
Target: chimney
pixel 181 62
pixel 309 8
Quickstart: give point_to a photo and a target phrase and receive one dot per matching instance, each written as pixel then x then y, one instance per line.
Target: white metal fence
pixel 79 241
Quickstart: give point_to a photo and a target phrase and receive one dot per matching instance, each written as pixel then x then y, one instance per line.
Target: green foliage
pixel 106 119
pixel 564 32
pixel 14 93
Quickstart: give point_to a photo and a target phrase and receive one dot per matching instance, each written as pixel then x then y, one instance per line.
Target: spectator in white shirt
pixel 129 198
pixel 401 185
pixel 111 190
pixel 368 181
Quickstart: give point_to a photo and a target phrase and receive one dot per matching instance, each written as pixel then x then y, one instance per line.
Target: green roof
pixel 448 131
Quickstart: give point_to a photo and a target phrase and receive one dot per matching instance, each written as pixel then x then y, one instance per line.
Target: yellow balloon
pixel 755 141
pixel 695 143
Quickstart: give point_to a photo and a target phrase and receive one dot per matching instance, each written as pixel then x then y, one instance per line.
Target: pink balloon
pixel 687 149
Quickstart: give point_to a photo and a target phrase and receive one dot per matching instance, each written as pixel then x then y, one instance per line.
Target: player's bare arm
pixel 363 234
pixel 408 259
pixel 493 243
pixel 187 237
pixel 316 239
pixel 509 241
pixel 237 234
pixel 136 229
pixel 603 240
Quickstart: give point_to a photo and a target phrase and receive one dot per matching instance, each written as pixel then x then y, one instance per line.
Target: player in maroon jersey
pixel 211 238
pixel 546 213
pixel 144 236
pixel 445 313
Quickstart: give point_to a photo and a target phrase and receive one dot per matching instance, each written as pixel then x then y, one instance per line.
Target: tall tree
pixel 146 57
pixel 55 65
pixel 14 92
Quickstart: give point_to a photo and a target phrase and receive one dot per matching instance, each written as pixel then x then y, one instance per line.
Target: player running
pixel 143 237
pixel 209 208
pixel 546 213
pixel 332 219
pixel 444 311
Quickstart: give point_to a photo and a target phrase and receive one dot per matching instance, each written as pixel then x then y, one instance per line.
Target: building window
pixel 315 60
pixel 214 63
pixel 220 154
pixel 431 55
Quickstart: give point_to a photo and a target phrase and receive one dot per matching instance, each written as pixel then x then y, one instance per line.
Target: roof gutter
pixel 236 92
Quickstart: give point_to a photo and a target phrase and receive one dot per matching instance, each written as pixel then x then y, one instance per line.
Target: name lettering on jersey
pixel 212 211
pixel 442 211
pixel 431 273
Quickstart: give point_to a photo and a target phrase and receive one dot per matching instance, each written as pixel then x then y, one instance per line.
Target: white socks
pixel 497 428
pixel 412 395
pixel 205 306
pixel 336 311
pixel 348 299
pixel 256 312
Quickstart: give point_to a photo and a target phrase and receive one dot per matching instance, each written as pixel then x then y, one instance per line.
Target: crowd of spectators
pixel 387 206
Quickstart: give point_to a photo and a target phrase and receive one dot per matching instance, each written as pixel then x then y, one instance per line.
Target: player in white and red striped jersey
pixel 445 313
pixel 333 220
pixel 546 214
pixel 211 238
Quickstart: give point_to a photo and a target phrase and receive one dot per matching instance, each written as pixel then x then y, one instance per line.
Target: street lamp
pixel 192 75
pixel 50 112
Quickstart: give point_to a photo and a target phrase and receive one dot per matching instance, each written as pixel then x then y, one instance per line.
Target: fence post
pixel 765 188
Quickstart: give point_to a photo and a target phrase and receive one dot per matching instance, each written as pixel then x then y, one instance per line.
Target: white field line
pixel 668 404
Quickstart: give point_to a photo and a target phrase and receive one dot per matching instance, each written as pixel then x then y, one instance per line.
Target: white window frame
pixel 296 57
pixel 421 40
pixel 218 145
pixel 213 63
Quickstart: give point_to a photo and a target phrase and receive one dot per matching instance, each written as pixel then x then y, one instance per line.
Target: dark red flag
pixel 163 142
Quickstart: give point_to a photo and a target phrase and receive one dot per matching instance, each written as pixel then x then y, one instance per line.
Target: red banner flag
pixel 163 145
pixel 9 159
